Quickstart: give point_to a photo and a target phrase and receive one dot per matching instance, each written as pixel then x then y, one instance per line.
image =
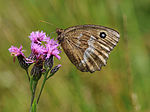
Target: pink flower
pixel 38 50
pixel 43 50
pixel 16 51
pixel 52 49
pixel 37 37
pixel 42 47
pixel 59 65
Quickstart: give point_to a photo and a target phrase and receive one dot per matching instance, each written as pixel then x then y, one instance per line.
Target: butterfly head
pixel 59 32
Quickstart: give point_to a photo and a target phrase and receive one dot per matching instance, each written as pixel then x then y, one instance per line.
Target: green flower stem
pixel 50 76
pixel 42 87
pixel 28 74
pixel 33 89
pixel 31 83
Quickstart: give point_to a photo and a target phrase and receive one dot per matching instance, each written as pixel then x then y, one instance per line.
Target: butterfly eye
pixel 102 34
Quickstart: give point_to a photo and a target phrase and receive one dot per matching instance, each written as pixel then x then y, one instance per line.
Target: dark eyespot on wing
pixel 102 35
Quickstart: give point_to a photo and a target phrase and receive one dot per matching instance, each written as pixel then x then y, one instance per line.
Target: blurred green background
pixel 122 86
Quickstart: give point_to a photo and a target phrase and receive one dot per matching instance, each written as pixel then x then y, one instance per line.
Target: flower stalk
pixel 42 87
pixel 43 51
pixel 34 85
pixel 28 74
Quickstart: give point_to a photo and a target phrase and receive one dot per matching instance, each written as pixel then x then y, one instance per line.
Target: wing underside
pixel 86 49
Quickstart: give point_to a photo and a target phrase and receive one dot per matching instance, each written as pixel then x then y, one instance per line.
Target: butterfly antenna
pixel 48 23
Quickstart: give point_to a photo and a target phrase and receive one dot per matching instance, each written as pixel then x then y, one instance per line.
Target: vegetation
pixel 121 86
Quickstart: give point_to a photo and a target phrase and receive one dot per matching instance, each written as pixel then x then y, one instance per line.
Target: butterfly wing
pixel 88 46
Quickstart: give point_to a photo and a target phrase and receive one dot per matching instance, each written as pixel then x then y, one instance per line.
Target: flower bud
pixel 49 62
pixel 22 62
pixel 55 69
pixel 36 71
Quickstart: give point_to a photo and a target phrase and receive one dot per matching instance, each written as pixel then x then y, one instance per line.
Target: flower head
pixel 43 49
pixel 20 56
pixel 37 50
pixel 37 37
pixel 16 51
pixel 52 49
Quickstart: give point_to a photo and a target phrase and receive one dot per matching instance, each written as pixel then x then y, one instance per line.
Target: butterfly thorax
pixel 59 32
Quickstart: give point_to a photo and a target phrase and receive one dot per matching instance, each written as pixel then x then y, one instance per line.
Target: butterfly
pixel 88 46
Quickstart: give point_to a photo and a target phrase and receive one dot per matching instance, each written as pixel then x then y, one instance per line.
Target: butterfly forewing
pixel 88 46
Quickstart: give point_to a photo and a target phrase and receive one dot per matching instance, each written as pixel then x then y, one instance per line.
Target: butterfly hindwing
pixel 88 46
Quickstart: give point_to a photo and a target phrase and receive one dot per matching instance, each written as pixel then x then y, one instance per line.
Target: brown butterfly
pixel 88 46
